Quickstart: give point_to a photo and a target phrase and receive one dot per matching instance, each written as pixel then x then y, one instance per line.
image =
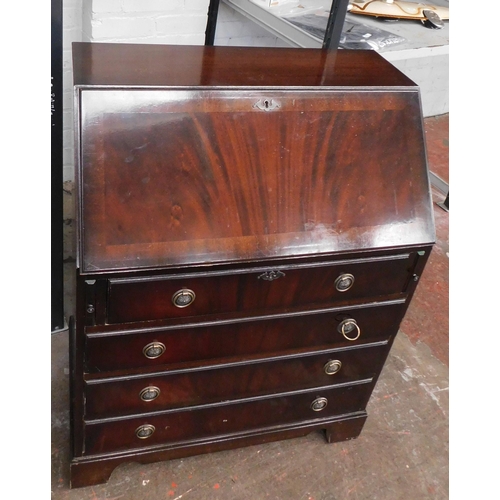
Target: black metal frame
pixel 333 28
pixel 213 11
pixel 445 205
pixel 335 24
pixel 56 112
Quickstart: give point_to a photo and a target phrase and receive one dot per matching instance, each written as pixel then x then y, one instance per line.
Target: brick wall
pixel 72 32
pixel 147 21
pixel 235 29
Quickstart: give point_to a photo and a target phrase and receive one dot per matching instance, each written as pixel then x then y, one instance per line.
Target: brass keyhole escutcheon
pixel 332 367
pixel 149 393
pixel 344 282
pixel 183 298
pixel 145 431
pixel 271 275
pixel 154 350
pixel 319 404
pixel 267 104
pixel 347 326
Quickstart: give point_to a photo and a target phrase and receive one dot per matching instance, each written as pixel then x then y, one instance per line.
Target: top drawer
pixel 244 290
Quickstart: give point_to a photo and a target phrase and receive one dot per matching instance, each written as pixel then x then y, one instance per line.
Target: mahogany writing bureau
pixel 252 224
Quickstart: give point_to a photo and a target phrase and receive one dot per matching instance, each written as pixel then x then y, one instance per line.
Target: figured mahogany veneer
pixel 249 289
pixel 261 335
pixel 229 418
pixel 187 387
pixel 252 224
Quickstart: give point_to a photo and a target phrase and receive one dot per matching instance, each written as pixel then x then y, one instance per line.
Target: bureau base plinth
pixel 91 470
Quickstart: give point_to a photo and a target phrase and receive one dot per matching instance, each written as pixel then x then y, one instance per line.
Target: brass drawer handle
pixel 347 326
pixel 319 404
pixel 332 367
pixel 183 298
pixel 149 393
pixel 344 282
pixel 145 431
pixel 154 350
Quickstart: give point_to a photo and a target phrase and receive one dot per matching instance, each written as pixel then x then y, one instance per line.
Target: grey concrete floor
pixel 402 452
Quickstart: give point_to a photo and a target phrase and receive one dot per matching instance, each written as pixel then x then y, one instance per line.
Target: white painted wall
pixel 72 32
pixel 147 21
pixel 235 29
pixel 429 69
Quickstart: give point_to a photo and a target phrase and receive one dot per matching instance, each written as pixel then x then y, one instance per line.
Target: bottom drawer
pixel 218 420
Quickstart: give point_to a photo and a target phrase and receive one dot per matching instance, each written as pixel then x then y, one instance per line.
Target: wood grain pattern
pixel 242 183
pixel 117 64
pixel 143 299
pixel 222 420
pixel 184 388
pixel 87 470
pixel 241 339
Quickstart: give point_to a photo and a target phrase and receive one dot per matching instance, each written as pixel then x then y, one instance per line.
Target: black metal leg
pixel 335 24
pixel 213 10
pixel 445 205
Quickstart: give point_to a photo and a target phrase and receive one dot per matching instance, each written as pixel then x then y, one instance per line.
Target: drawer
pixel 259 337
pixel 225 419
pixel 155 298
pixel 105 398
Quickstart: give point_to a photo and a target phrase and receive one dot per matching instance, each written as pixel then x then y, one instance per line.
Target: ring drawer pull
pixel 183 298
pixel 347 326
pixel 319 404
pixel 344 282
pixel 332 367
pixel 154 350
pixel 145 431
pixel 149 393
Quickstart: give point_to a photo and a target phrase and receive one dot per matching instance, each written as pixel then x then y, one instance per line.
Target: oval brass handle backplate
pixel 145 431
pixel 149 393
pixel 154 350
pixel 344 282
pixel 332 367
pixel 319 404
pixel 183 298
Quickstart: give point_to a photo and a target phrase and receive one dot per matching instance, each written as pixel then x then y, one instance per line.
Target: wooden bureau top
pixel 146 65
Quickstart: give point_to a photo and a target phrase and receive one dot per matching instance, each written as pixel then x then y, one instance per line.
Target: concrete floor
pixel 402 452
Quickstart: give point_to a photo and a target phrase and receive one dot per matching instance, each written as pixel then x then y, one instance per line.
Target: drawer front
pixel 146 299
pixel 265 337
pixel 227 419
pixel 187 388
